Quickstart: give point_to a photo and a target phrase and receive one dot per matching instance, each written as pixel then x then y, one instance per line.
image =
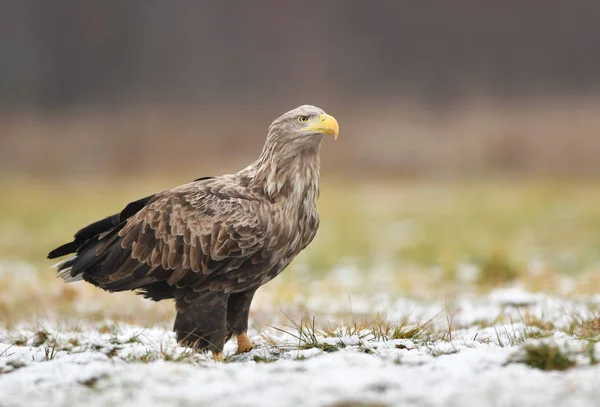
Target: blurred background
pixel 468 154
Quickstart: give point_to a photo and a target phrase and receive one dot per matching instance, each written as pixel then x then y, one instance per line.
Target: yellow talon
pixel 244 344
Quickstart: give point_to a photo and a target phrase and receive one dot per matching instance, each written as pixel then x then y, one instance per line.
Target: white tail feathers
pixel 60 263
pixel 66 276
pixel 65 273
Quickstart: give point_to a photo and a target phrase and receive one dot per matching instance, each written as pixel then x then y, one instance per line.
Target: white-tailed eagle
pixel 211 243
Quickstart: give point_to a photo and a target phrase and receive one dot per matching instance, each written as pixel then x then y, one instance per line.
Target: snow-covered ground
pixel 470 353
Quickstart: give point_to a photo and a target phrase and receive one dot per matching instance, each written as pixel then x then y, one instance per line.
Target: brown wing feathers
pixel 181 236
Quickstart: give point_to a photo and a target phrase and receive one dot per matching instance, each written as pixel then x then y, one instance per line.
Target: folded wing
pixel 179 237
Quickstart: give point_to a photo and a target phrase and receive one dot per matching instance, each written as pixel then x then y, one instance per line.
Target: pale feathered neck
pixel 286 171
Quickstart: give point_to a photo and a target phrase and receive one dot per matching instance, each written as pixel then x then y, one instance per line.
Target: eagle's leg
pixel 201 322
pixel 238 309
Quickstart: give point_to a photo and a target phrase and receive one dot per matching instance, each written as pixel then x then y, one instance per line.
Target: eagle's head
pixel 303 126
pixel 289 163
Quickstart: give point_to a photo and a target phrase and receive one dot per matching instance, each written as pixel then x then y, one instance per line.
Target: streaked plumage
pixel 211 243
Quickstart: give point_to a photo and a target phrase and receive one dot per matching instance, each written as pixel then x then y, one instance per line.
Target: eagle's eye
pixel 303 119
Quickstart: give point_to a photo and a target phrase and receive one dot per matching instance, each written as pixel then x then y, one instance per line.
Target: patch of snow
pixel 474 363
pixel 346 275
pixel 514 296
pixel 467 272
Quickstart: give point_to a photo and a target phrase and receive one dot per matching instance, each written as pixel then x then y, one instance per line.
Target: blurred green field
pixel 410 237
pixel 367 223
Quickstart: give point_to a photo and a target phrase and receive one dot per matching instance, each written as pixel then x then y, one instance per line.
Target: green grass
pixel 545 356
pixel 432 224
pixel 491 224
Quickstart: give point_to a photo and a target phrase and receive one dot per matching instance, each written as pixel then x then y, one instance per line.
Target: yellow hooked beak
pixel 324 124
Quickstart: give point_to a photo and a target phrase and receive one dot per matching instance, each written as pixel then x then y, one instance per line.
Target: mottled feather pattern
pixel 193 228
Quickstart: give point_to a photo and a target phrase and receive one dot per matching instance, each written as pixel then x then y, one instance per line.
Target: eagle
pixel 211 243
